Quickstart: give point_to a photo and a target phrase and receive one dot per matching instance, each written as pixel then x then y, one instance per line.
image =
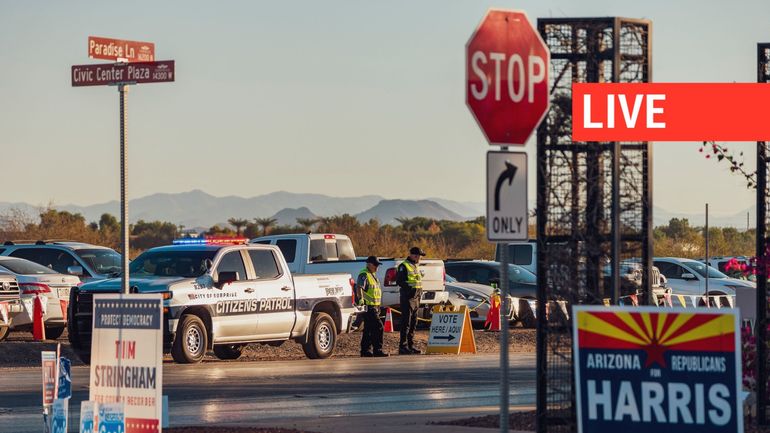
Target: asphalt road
pixel 244 392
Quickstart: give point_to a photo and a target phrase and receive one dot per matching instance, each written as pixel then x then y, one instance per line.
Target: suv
pixel 86 261
pixel 688 277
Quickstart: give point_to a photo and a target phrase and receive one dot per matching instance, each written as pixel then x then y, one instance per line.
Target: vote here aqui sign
pixel 127 358
pixel 644 369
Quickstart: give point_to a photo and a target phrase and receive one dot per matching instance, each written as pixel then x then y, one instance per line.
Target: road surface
pixel 247 392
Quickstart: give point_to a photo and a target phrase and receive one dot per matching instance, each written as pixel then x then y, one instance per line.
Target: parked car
pixel 323 253
pixel 688 277
pixel 478 299
pixel 9 294
pixel 86 261
pixel 37 279
pixel 522 283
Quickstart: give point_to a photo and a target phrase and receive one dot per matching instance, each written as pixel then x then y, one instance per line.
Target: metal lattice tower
pixel 594 199
pixel 763 76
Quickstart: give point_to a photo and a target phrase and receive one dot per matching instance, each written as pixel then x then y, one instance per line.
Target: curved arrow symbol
pixel 449 337
pixel 509 173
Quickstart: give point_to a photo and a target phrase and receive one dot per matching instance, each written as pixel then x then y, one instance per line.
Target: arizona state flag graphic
pixel 648 369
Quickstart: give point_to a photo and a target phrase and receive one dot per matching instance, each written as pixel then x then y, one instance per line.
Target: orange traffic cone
pixel 388 321
pixel 63 304
pixel 493 315
pixel 38 327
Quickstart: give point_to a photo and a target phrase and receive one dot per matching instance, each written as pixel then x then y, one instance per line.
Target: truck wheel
pixel 4 331
pixel 228 351
pixel 191 340
pixel 323 337
pixel 54 333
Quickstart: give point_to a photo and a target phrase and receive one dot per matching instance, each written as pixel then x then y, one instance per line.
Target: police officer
pixel 409 281
pixel 369 294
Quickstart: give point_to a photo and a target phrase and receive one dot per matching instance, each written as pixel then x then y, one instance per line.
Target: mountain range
pixel 198 209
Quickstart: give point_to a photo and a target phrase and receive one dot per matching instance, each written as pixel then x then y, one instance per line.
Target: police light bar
pixel 210 241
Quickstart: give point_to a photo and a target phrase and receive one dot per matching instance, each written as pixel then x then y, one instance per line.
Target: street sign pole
pixel 504 393
pixel 124 279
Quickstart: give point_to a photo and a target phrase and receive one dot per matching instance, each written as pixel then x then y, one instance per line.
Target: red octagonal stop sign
pixel 506 69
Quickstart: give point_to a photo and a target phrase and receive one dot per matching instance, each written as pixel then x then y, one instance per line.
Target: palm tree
pixel 266 224
pixel 308 223
pixel 238 224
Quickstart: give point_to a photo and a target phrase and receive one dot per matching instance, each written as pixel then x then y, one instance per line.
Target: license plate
pixel 64 293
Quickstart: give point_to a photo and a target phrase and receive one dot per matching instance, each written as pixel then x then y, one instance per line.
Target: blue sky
pixel 336 97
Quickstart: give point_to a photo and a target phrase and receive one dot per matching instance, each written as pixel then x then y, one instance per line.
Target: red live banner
pixel 670 112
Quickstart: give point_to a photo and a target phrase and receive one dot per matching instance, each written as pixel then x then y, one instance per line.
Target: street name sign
pixel 506 69
pixel 110 74
pixel 127 358
pixel 653 370
pixel 507 207
pixel 451 331
pixel 119 50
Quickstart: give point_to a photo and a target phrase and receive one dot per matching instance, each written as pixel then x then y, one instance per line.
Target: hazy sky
pixel 336 97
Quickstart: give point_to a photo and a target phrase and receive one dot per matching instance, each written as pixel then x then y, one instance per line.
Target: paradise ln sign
pixel 127 358
pixel 643 369
pixel 120 50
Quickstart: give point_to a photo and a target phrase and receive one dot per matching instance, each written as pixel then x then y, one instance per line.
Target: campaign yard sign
pixel 643 369
pixel 127 359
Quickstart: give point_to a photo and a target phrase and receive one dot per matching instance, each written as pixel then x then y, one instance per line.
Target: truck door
pixel 274 290
pixel 236 306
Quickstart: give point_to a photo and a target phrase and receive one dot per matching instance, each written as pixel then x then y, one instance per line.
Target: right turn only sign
pixel 507 208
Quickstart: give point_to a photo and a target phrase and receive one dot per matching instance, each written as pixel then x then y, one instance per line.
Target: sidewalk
pixel 401 422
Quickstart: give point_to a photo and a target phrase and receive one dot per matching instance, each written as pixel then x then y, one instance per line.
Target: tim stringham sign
pixel 127 357
pixel 646 369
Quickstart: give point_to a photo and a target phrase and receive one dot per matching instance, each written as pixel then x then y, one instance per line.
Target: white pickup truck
pixel 324 252
pixel 222 296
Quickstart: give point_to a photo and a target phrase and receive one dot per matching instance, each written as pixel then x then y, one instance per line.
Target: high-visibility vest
pixel 373 293
pixel 413 277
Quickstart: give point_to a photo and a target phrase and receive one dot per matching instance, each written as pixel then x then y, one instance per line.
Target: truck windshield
pixel 187 264
pixel 101 260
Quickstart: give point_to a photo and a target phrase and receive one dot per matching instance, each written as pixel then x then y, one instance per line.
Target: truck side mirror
pixel 226 277
pixel 688 276
pixel 208 264
pixel 75 270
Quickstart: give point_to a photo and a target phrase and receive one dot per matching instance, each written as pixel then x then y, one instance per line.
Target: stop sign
pixel 506 70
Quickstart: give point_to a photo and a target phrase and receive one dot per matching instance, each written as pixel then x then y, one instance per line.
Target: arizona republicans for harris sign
pixel 657 370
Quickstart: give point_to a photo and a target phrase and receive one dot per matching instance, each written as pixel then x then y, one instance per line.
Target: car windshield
pixel 187 264
pixel 517 274
pixel 700 268
pixel 25 267
pixel 101 260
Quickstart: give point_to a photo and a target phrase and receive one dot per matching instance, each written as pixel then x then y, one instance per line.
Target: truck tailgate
pixel 432 275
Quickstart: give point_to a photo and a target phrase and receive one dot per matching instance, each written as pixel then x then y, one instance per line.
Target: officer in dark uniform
pixel 409 281
pixel 369 294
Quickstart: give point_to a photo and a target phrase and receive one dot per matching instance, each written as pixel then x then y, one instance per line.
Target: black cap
pixel 373 260
pixel 416 251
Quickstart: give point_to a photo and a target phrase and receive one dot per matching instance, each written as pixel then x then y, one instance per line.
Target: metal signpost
pixel 130 70
pixel 507 93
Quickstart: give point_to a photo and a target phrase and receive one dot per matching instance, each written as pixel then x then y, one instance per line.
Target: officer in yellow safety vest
pixel 409 281
pixel 369 295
